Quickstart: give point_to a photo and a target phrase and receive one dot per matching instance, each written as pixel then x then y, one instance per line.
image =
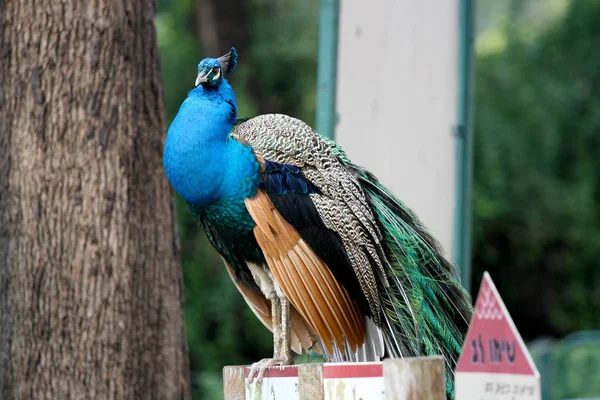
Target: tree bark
pixel 90 282
pixel 222 24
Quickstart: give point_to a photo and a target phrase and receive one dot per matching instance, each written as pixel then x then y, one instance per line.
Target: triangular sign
pixel 493 344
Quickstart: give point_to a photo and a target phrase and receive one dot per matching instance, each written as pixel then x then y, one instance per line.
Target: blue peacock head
pixel 211 70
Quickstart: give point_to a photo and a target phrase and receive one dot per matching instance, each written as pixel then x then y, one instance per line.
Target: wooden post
pixel 234 382
pixel 415 378
pixel 310 381
pixel 392 379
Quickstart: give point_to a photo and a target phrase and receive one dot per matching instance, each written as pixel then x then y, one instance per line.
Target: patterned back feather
pixel 341 203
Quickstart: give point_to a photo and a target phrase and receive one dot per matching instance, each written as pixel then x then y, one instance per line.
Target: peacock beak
pixel 202 77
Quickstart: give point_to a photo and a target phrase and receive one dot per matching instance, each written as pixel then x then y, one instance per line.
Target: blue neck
pixel 202 163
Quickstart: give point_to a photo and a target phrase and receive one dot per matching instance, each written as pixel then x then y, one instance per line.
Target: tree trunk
pixel 221 25
pixel 90 282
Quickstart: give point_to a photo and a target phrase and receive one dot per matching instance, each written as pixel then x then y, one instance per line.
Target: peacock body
pixel 325 256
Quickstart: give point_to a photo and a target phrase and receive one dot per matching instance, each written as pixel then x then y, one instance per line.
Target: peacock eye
pixel 215 69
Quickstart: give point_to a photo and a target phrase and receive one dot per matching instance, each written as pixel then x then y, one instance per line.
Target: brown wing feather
pixel 305 279
pixel 303 336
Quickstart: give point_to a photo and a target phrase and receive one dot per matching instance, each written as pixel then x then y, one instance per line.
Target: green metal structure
pixel 327 71
pixel 464 142
pixel 569 368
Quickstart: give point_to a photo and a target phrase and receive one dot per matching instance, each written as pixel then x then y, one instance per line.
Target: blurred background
pixel 536 166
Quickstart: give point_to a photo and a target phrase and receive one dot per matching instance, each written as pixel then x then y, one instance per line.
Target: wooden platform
pixel 392 379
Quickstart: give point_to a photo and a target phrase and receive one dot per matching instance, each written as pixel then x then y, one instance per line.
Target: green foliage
pixel 284 55
pixel 537 188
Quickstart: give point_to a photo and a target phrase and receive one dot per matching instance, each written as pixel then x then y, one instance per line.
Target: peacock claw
pixel 261 366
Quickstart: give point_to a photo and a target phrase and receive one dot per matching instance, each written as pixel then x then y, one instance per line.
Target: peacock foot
pixel 261 366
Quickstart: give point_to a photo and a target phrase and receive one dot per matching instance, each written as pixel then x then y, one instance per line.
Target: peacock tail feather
pixel 426 309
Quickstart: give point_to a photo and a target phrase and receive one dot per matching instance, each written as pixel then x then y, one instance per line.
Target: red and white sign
pixel 340 381
pixel 494 363
pixel 353 381
pixel 278 383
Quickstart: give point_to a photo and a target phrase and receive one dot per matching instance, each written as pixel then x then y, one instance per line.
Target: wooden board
pixel 406 379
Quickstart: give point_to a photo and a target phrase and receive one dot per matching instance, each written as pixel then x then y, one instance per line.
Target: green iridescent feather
pixel 427 310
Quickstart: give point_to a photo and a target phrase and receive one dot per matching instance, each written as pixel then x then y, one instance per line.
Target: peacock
pixel 324 254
